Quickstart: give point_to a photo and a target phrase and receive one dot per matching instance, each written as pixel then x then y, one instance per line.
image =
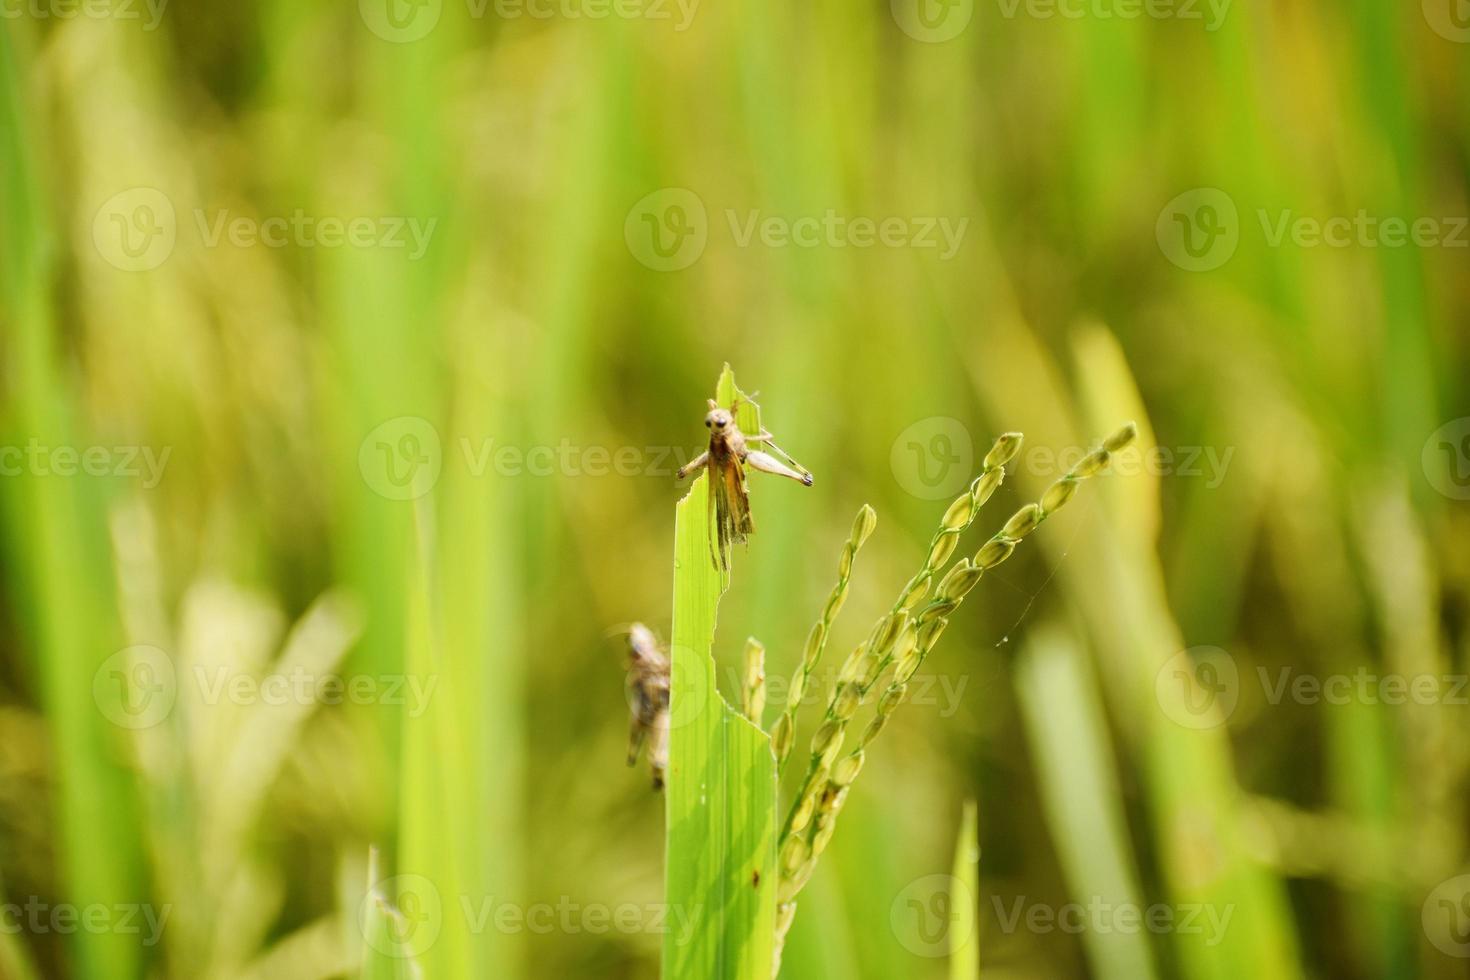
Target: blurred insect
pixel 728 455
pixel 648 697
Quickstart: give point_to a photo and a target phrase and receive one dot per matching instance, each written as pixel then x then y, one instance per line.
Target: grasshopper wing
pixel 730 519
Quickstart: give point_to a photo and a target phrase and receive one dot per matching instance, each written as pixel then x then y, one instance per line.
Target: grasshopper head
pixel 643 646
pixel 718 419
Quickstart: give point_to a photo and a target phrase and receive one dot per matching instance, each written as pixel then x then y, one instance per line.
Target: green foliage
pixel 57 536
pixel 964 935
pixel 1288 500
pixel 721 809
pixel 1084 805
pixel 388 951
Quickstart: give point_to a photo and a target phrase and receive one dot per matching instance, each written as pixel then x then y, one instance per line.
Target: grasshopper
pixel 727 457
pixel 648 697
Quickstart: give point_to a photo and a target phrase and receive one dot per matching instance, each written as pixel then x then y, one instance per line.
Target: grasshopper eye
pixel 706 423
pixel 721 423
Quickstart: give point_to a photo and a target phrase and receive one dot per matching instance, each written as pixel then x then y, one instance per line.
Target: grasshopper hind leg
pixel 767 463
pixel 766 439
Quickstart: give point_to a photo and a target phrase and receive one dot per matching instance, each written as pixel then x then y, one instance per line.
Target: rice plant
pixel 721 792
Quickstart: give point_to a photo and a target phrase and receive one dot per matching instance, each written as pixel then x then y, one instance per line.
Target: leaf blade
pixel 964 948
pixel 721 793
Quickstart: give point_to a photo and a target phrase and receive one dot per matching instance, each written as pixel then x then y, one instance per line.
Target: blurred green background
pixel 360 341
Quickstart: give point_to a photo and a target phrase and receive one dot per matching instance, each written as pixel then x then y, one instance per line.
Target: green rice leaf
pixel 964 948
pixel 56 529
pixel 721 794
pixel 387 953
pixel 1081 797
